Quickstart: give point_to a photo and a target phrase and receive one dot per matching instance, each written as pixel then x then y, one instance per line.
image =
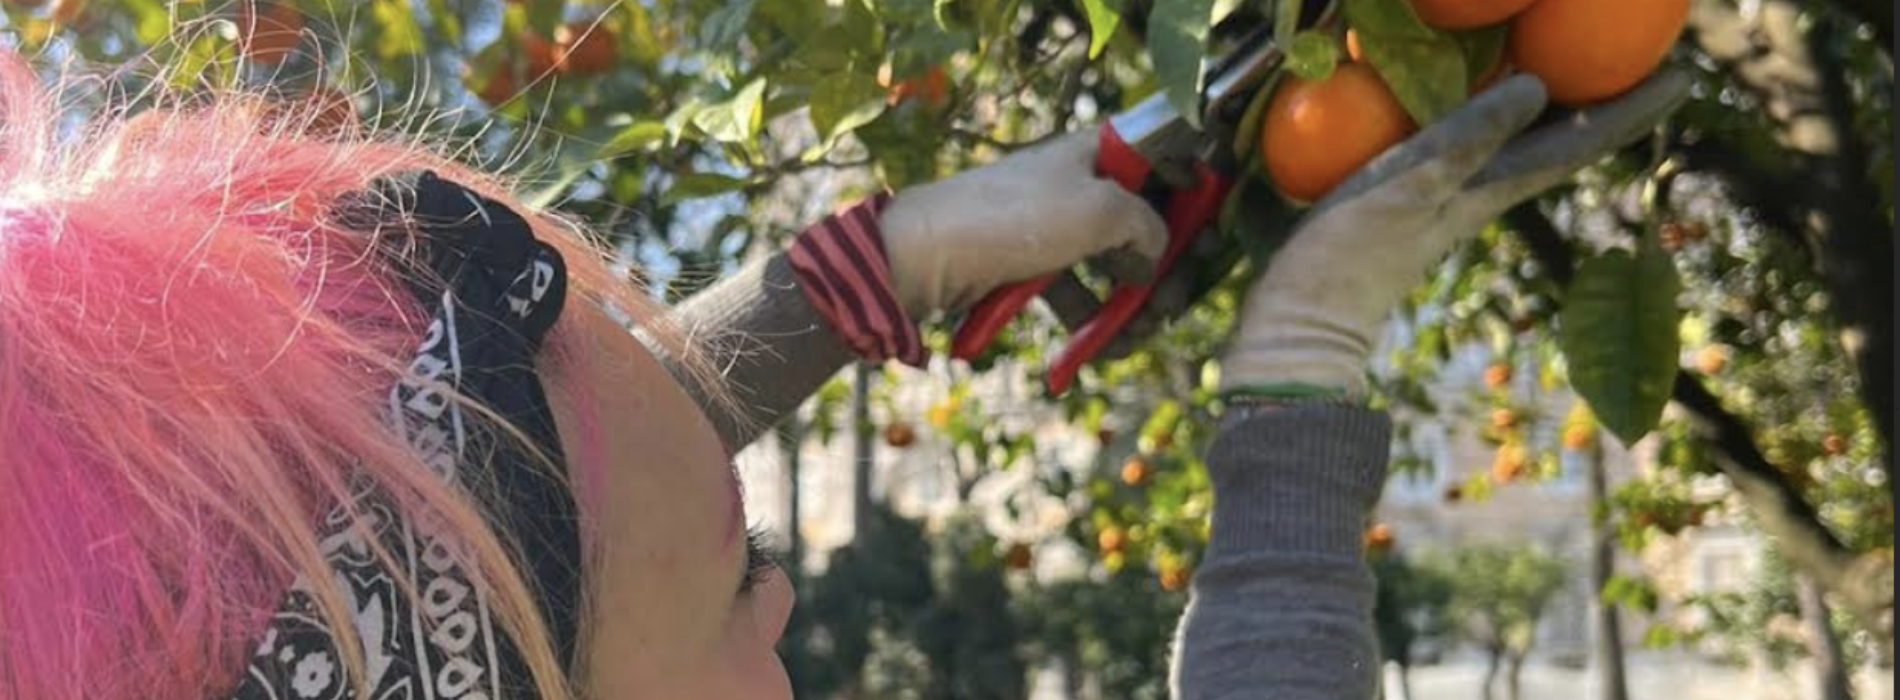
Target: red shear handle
pixel 1189 213
pixel 1114 159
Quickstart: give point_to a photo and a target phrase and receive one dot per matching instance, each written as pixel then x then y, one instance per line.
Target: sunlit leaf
pixel 1105 16
pixel 738 118
pixel 844 103
pixel 401 36
pixel 634 136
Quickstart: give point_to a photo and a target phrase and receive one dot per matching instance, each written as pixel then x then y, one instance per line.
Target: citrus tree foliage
pixel 1720 290
pixel 1498 596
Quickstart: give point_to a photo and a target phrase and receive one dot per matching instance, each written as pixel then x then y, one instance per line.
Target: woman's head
pixel 195 358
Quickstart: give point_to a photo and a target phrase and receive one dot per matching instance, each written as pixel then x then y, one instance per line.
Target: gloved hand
pixel 1310 319
pixel 1037 211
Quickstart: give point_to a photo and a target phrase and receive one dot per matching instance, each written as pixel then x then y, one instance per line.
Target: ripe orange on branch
pixel 1510 464
pixel 268 32
pixel 1379 539
pixel 1318 132
pixel 1588 51
pixel 1497 376
pixel 1467 14
pixel 900 435
pixel 1135 471
pixel 1019 557
pixel 539 54
pixel 1175 579
pixel 932 88
pixel 584 48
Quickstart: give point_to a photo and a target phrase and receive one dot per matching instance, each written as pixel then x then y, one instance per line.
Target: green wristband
pixel 1286 392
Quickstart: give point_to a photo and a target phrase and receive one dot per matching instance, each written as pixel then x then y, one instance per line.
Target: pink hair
pixel 192 362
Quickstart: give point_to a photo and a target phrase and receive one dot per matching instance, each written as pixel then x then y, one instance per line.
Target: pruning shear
pixel 1153 150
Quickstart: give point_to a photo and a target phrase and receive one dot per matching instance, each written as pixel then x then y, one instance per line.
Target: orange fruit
pixel 1379 539
pixel 539 55
pixel 1174 579
pixel 333 112
pixel 324 113
pixel 499 87
pixel 932 88
pixel 1498 375
pixel 1671 236
pixel 1467 14
pixel 1578 438
pixel 899 435
pixel 1135 472
pixel 1504 419
pixel 1317 133
pixel 268 32
pixel 584 48
pixel 1111 540
pixel 65 11
pixel 1018 558
pixel 1711 360
pixel 1588 51
pixel 1509 465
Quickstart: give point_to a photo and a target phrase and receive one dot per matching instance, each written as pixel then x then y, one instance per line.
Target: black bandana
pixel 503 291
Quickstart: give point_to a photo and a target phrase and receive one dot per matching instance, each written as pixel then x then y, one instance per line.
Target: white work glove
pixel 1035 212
pixel 1310 319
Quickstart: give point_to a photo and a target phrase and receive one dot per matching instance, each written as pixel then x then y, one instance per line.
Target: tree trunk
pixel 1514 678
pixel 1609 623
pixel 1815 188
pixel 862 457
pixel 1491 669
pixel 1824 646
pixel 791 440
pixel 1405 681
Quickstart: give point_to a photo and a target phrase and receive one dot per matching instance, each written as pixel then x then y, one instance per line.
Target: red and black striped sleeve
pixel 846 276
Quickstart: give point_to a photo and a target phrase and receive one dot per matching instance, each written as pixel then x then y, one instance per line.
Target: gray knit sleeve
pixel 1282 606
pixel 772 349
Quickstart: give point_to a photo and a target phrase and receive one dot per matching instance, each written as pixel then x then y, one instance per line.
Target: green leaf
pixel 678 122
pixel 1483 49
pixel 445 20
pixel 401 36
pixel 699 185
pixel 1248 133
pixel 1424 67
pixel 844 103
pixel 1619 337
pixel 1312 55
pixel 544 15
pixel 1177 41
pixel 566 174
pixel 1105 16
pixel 738 118
pixel 635 136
